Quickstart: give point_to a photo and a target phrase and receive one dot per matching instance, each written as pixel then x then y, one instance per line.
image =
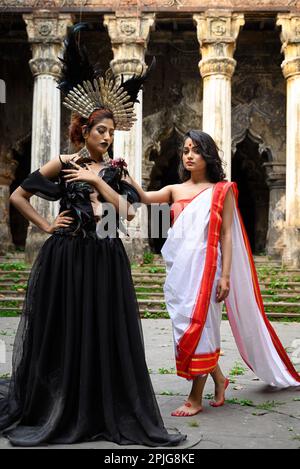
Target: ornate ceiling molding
pixel 154 5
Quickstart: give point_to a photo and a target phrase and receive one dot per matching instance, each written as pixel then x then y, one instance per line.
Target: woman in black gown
pixel 79 369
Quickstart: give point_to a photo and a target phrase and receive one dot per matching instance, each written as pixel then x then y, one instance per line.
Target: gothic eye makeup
pixel 102 130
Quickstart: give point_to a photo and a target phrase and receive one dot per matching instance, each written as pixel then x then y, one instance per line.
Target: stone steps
pixel 140 272
pixel 8 295
pixel 152 304
pixel 266 297
pixel 278 288
pixel 291 287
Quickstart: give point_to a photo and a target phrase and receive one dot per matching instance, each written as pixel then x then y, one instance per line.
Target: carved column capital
pixel 129 37
pixel 290 38
pixel 46 31
pixel 217 33
pixel 215 65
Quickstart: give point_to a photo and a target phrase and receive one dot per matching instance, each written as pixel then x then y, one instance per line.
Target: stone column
pixel 46 31
pixel 276 183
pixel 290 37
pixel 217 32
pixel 7 175
pixel 129 36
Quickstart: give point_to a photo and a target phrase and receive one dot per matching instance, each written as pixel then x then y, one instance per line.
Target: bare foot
pixel 188 409
pixel 220 389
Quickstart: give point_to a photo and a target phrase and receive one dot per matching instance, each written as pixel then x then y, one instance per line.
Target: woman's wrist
pixel 46 227
pixel 225 276
pixel 95 180
pixel 98 184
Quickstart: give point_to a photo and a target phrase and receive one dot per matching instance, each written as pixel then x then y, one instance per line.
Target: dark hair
pixel 208 149
pixel 77 121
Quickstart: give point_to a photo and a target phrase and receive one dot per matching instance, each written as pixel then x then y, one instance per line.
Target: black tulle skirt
pixel 79 369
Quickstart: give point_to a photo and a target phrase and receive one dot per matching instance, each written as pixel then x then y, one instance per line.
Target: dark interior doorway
pixel 164 172
pixel 250 175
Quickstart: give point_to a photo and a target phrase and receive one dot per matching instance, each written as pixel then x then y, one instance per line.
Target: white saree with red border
pixel 192 253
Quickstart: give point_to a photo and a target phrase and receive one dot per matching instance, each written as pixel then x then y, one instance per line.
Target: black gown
pixel 79 370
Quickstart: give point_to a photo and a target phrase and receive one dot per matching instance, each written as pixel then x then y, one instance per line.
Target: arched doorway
pixel 164 172
pixel 249 155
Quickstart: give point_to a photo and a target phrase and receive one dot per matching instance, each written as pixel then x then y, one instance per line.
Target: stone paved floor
pixel 276 424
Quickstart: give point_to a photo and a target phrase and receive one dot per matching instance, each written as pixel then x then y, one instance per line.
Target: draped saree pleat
pixel 193 259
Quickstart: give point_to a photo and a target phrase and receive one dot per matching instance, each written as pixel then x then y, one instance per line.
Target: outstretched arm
pixel 164 195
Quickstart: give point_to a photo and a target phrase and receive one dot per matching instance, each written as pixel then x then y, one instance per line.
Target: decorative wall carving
pixel 46 26
pixel 157 5
pixel 290 37
pixel 217 33
pixel 224 66
pixel 127 27
pixel 46 32
pixel 129 37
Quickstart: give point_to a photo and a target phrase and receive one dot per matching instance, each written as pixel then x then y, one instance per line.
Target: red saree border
pixel 200 364
pixel 188 342
pixel 275 339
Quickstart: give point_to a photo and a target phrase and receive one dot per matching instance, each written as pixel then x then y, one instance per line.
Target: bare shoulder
pixel 53 167
pixel 179 191
pixel 174 188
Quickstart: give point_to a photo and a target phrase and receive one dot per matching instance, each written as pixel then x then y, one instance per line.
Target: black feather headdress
pixel 86 90
pixel 133 85
pixel 76 65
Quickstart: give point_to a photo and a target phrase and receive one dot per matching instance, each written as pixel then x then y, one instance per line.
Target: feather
pixel 135 83
pixel 86 90
pixel 76 65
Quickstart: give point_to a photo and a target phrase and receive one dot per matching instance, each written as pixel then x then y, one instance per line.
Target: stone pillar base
pixel 135 248
pixel 274 253
pixel 6 247
pixel 276 182
pixel 291 252
pixel 35 240
pixel 6 243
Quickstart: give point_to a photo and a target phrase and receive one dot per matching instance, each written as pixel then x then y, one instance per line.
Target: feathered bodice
pixel 84 203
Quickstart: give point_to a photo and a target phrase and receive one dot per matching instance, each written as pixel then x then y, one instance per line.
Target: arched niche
pixel 249 153
pixel 164 158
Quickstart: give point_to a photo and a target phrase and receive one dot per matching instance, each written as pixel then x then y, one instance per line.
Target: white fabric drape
pixel 184 253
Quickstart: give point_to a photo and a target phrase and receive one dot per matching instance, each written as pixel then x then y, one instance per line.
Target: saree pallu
pixel 192 253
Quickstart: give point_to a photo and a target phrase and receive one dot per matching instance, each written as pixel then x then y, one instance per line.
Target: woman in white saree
pixel 209 260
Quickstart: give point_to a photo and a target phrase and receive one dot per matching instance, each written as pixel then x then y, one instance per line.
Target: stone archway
pixel 249 155
pixel 21 153
pixel 162 137
pixel 164 158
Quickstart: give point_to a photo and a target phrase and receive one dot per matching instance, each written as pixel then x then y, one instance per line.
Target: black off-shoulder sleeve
pixel 43 187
